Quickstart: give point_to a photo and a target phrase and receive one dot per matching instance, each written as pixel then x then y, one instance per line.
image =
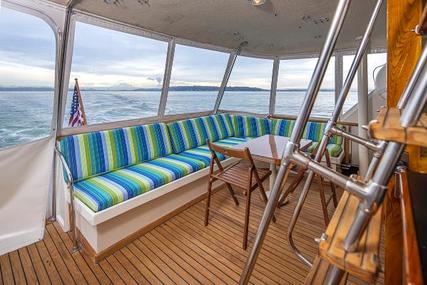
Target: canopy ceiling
pixel 278 28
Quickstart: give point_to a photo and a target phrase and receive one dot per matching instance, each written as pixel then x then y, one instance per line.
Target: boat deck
pixel 180 251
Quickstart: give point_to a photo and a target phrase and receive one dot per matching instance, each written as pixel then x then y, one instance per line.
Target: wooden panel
pixel 404 46
pixel 404 49
pixel 411 256
pixel 364 261
pixel 392 237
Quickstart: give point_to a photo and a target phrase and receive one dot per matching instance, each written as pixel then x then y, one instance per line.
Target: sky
pixel 106 58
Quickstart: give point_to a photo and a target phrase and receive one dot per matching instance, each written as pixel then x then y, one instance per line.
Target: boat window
pixel 351 99
pixel 120 75
pixel 27 73
pixel 248 89
pixel 196 77
pixel 294 78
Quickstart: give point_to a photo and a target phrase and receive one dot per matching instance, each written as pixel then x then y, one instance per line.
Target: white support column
pixel 227 73
pixel 362 92
pixel 339 75
pixel 166 78
pixel 273 90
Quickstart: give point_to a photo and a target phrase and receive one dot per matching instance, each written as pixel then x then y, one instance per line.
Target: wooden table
pixel 269 149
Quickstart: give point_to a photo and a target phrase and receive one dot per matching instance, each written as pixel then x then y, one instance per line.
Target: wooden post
pixel 404 49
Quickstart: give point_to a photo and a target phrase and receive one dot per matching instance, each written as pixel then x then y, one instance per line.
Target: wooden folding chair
pixel 242 174
pixel 323 200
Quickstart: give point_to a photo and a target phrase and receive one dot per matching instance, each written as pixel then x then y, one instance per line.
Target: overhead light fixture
pixel 258 2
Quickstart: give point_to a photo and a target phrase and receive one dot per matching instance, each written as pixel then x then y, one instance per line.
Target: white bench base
pixel 106 231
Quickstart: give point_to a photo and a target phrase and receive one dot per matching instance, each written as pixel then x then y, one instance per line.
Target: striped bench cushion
pixel 250 126
pixel 282 127
pixel 333 149
pixel 314 131
pixel 187 134
pixel 218 127
pixel 95 153
pixel 107 190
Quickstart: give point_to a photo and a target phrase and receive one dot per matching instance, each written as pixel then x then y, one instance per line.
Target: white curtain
pixel 25 179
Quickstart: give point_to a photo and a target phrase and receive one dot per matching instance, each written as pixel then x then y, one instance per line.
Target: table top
pixel 269 148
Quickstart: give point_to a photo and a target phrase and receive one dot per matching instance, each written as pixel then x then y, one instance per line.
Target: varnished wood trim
pixel 411 257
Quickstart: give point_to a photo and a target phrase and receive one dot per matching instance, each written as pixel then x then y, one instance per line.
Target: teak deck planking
pixel 179 251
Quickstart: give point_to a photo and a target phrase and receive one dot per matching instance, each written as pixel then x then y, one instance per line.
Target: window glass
pixel 120 75
pixel 27 72
pixel 249 86
pixel 294 78
pixel 196 77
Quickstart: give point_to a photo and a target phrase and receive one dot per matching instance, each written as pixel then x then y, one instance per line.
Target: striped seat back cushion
pixel 147 142
pixel 187 134
pixel 94 153
pixel 250 126
pixel 282 127
pixel 218 127
pixel 314 131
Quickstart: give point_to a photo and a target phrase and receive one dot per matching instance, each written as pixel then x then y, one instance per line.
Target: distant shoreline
pixel 172 88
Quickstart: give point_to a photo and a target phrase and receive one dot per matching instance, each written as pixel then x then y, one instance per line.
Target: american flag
pixel 77 113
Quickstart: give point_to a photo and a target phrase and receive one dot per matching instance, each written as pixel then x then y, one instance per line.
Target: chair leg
pixel 323 202
pixel 230 189
pixel 264 198
pixel 291 188
pixel 247 211
pixel 208 202
pixel 334 194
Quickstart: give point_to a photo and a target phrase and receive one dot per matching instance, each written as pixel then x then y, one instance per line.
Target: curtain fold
pixel 25 180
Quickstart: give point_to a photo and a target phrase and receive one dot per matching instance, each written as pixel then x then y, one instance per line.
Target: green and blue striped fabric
pixel 333 149
pixel 109 189
pixel 250 126
pixel 95 153
pixel 218 127
pixel 282 127
pixel 314 131
pixel 187 134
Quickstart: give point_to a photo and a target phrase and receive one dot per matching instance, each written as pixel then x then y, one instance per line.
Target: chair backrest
pixel 231 152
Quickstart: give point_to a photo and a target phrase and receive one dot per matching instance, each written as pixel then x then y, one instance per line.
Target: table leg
pixel 273 175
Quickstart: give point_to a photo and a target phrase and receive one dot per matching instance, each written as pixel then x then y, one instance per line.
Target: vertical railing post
pixel 273 90
pixel 227 73
pixel 166 78
pixel 335 115
pixel 362 112
pixel 339 75
pixel 62 91
pixel 291 146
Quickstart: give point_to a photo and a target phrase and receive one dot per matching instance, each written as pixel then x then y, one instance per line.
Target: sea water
pixel 25 116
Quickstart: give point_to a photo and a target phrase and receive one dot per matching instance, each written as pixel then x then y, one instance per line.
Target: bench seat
pixel 106 190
